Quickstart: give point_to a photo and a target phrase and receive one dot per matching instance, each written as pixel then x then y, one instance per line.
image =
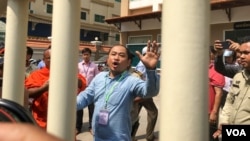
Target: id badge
pixel 103 117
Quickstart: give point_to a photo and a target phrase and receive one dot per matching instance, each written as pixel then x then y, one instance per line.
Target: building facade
pixel 93 13
pixel 132 22
pixel 140 21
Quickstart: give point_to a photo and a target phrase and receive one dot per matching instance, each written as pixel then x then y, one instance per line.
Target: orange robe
pixel 40 104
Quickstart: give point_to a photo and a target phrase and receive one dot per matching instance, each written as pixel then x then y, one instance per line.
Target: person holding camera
pixel 227 60
pixel 227 63
pixel 236 109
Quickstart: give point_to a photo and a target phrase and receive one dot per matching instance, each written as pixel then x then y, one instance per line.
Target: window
pixel 159 38
pixel 99 18
pixel 105 37
pixel 118 0
pixel 49 8
pixel 83 15
pixel 236 35
pixel 117 37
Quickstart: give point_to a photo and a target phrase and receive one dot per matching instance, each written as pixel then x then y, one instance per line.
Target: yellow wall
pixel 217 31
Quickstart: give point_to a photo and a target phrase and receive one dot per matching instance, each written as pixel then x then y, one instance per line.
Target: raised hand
pixel 152 55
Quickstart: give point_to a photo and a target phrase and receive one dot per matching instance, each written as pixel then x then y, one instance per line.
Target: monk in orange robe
pixel 37 85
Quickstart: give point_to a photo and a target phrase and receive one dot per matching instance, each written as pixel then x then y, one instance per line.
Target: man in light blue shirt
pixel 113 93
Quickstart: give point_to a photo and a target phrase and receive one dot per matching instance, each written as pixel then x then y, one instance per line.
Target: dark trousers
pixel 91 111
pixel 79 116
pixel 212 129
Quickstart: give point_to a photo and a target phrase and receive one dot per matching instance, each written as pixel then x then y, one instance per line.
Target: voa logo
pixel 236 132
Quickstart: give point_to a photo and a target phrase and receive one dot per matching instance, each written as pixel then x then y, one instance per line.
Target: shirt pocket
pixel 117 96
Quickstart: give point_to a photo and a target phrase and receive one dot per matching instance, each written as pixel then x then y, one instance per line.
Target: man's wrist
pixel 220 127
pixel 214 112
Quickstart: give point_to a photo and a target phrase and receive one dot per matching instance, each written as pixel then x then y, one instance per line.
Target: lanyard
pixel 86 72
pixel 107 95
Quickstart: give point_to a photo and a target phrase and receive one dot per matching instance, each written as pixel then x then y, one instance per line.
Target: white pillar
pixel 63 72
pixel 15 50
pixel 184 75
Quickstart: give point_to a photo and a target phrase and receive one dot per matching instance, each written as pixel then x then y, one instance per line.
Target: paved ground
pixel 140 136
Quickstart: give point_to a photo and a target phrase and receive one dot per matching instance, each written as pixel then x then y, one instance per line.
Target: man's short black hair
pixel 245 39
pixel 86 50
pixel 29 51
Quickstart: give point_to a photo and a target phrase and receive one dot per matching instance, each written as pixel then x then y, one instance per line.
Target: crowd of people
pixel 108 94
pixel 233 64
pixel 111 95
pixel 114 93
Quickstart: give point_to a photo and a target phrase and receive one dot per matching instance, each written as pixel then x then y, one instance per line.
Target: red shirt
pixel 215 80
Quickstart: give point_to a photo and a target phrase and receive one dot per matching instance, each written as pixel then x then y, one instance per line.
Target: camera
pixel 225 44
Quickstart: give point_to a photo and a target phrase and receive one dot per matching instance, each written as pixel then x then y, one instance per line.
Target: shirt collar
pixel 84 63
pixel 125 73
pixel 246 74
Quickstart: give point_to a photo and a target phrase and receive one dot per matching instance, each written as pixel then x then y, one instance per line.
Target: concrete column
pixel 125 8
pixel 15 50
pixel 123 38
pixel 184 75
pixel 63 72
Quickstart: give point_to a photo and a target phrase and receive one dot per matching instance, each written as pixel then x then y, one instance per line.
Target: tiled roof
pixel 41 43
pixel 223 4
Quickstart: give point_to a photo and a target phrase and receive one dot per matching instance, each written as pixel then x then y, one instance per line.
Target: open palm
pixel 152 55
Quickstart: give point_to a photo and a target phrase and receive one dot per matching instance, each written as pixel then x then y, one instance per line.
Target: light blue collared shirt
pixel 119 103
